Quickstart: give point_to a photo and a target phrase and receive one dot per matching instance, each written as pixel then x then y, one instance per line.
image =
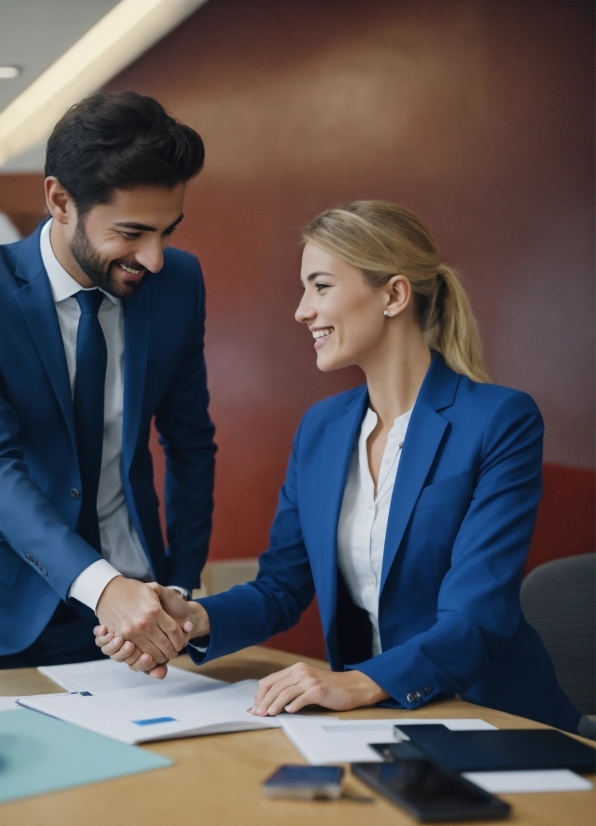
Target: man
pixel 101 329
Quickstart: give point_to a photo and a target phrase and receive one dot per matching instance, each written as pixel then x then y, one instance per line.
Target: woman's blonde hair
pixel 383 239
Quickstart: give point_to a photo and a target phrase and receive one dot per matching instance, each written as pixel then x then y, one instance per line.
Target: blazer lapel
pixel 425 432
pixel 36 303
pixel 423 438
pixel 137 329
pixel 335 460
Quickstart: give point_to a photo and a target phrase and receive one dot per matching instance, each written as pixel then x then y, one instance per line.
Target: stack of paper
pixel 9 704
pixel 331 740
pixel 156 712
pixel 110 699
pixel 107 675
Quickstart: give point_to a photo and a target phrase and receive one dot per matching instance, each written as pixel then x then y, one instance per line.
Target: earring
pixel 387 314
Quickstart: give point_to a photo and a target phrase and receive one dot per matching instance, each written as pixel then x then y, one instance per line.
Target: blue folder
pixel 39 754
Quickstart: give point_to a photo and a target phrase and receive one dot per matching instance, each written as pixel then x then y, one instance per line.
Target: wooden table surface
pixel 216 779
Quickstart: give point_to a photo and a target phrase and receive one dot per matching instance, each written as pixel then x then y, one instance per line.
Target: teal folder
pixel 39 754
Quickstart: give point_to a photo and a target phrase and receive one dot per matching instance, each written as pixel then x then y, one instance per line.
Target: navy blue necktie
pixel 88 402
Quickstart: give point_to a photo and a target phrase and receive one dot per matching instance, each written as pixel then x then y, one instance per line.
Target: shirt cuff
pixel 199 648
pixel 90 583
pixel 183 592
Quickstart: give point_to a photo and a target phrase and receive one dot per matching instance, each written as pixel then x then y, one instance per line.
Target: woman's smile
pixel 321 335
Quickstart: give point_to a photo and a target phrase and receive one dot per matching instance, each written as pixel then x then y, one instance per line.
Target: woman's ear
pixel 398 295
pixel 59 203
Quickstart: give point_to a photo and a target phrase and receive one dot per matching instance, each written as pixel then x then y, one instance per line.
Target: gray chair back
pixel 558 599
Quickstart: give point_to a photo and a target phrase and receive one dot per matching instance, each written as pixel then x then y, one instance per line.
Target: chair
pixel 558 599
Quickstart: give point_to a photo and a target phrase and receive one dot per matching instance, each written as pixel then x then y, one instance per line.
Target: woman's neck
pixel 395 376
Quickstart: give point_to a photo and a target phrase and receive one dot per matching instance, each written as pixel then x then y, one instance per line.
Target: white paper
pixel 107 675
pixel 543 780
pixel 138 715
pixel 8 704
pixel 331 740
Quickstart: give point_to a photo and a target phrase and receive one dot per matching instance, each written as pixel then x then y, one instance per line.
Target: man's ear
pixel 398 295
pixel 60 205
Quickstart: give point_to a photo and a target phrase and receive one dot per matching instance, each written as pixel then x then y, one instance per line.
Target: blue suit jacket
pixel 164 376
pixel 459 529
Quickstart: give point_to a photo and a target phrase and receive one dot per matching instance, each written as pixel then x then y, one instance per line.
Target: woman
pixel 409 502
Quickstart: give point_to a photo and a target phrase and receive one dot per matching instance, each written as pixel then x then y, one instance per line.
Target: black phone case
pixel 491 807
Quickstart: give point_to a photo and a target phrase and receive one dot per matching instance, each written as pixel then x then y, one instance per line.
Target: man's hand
pixel 301 685
pixel 133 610
pixel 190 617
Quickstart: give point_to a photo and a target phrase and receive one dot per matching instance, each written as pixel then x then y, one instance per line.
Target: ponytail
pixel 451 328
pixel 383 239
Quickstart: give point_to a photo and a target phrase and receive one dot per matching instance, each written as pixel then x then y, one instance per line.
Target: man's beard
pixel 89 260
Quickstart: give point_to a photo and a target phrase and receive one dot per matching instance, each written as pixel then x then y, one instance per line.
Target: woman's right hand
pixel 191 616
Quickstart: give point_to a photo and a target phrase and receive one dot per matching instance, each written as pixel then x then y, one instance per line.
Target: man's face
pixel 116 244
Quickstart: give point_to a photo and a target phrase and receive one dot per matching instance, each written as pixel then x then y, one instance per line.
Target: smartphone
pixel 429 792
pixel 305 782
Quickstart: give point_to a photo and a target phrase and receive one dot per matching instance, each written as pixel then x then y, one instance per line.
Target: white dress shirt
pixel 120 543
pixel 363 519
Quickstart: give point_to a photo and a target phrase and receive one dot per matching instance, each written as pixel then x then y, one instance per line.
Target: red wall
pixel 477 114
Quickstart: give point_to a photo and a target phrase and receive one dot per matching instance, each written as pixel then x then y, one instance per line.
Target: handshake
pixel 145 625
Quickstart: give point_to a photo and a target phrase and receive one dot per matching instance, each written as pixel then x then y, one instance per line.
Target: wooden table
pixel 216 779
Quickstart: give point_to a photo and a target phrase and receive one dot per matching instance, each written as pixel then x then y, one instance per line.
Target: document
pixel 39 755
pixel 541 780
pixel 107 675
pixel 331 740
pixel 9 704
pixel 139 715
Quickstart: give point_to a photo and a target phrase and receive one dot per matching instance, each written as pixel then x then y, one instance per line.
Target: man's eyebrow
pixel 145 227
pixel 176 222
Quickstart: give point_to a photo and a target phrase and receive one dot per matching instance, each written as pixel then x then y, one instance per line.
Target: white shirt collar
pixel 395 440
pixel 63 285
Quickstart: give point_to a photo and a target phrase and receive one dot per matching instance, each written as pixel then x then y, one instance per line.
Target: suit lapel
pixel 424 435
pixel 338 443
pixel 36 303
pixel 423 439
pixel 137 329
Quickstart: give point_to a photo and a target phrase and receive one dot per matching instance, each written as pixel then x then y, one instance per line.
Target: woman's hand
pixel 123 651
pixel 192 618
pixel 301 685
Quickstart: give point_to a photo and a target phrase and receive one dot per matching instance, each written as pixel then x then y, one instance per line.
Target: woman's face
pixel 343 313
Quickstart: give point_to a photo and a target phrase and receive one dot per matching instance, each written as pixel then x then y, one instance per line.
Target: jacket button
pixel 428 690
pixel 28 557
pixel 75 493
pixel 411 698
pixel 43 570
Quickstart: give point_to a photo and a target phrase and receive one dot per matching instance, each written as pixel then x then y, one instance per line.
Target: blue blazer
pixel 459 529
pixel 164 376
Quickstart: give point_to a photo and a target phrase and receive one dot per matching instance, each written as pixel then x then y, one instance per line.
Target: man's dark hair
pixel 118 141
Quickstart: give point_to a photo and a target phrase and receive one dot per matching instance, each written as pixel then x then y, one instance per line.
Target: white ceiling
pixel 33 35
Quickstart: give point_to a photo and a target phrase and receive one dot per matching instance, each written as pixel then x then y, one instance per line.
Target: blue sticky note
pixel 151 721
pixel 40 754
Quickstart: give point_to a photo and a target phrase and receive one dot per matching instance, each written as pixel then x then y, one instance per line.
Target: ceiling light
pixel 7 72
pixel 123 35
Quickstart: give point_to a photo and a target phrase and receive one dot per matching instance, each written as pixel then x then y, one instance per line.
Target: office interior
pixel 476 114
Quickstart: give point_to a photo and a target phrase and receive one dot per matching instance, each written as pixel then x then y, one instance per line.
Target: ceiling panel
pixel 34 33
